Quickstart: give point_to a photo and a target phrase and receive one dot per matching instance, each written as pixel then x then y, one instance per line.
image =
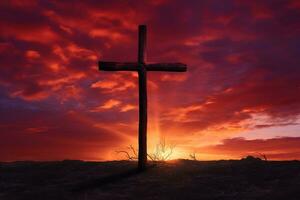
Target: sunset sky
pixel 240 96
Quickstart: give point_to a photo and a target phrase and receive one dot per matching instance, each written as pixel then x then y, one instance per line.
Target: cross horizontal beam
pixel 170 67
pixel 118 66
pixel 133 66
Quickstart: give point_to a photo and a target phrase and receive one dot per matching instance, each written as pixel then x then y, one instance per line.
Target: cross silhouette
pixel 141 67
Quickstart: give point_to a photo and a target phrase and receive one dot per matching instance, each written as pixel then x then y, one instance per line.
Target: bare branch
pixel 151 158
pixel 170 153
pixel 193 156
pixel 127 154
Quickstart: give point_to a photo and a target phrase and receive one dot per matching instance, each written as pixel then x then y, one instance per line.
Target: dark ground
pixel 180 179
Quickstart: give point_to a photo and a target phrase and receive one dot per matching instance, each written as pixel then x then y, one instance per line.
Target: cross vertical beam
pixel 141 67
pixel 142 72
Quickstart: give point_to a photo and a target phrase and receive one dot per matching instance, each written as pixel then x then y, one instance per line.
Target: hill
pixel 180 179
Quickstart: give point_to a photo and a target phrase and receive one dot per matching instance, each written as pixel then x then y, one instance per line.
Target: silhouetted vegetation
pixel 193 156
pixel 162 152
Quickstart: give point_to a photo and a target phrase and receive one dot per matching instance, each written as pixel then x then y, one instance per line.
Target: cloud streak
pixel 243 74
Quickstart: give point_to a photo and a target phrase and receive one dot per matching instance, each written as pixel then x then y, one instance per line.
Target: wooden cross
pixel 141 67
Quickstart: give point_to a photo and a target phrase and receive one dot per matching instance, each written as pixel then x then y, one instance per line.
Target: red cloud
pixel 31 54
pixel 243 72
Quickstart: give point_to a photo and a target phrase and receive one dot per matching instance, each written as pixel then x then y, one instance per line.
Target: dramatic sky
pixel 240 96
